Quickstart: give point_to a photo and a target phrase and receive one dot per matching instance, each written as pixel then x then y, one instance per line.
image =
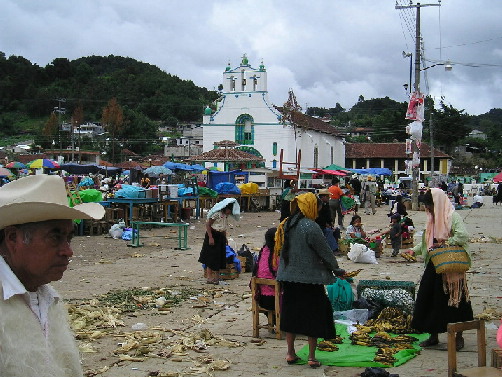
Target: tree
pixel 113 120
pixel 450 126
pixel 50 131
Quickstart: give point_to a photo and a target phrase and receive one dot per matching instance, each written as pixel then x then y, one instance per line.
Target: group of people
pixel 36 231
pixel 297 255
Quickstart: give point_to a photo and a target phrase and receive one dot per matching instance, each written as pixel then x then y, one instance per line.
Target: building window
pixel 244 130
pixel 316 157
pixel 274 148
pixel 332 157
pixel 274 164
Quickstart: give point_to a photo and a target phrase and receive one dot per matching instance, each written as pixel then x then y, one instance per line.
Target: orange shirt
pixel 335 192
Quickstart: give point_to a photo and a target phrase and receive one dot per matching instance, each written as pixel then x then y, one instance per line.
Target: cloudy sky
pixel 327 51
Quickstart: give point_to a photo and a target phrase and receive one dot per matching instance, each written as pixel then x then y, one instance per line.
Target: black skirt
pixel 432 313
pixel 214 256
pixel 306 310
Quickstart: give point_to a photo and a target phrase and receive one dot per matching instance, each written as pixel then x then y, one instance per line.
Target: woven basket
pixel 449 259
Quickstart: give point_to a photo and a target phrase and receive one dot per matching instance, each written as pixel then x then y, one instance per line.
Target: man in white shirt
pixel 477 201
pixel 36 230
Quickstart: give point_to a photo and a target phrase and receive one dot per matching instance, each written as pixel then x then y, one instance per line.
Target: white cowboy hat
pixel 39 198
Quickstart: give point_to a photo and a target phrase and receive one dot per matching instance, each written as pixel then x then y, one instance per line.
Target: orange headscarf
pixel 307 203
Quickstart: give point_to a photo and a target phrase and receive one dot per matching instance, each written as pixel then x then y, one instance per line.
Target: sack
pixel 449 259
pixel 340 295
pixel 360 253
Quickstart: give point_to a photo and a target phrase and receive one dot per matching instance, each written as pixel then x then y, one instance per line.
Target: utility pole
pixel 431 132
pixel 60 110
pixel 415 149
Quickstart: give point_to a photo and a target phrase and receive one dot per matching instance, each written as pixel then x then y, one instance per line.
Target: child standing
pixel 395 233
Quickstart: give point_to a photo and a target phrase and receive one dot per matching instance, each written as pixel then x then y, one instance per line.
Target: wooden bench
pixel 182 233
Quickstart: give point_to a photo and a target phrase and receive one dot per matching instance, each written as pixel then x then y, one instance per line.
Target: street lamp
pixel 408 55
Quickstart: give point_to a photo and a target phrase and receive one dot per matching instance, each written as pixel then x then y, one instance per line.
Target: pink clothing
pixel 264 272
pixel 499 335
pixel 439 225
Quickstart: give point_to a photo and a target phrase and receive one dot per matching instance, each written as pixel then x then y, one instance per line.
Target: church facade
pixel 245 115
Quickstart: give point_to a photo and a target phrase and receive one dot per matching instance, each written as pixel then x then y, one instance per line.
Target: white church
pixel 245 115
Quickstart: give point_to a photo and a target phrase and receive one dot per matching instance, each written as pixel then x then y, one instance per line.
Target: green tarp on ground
pixel 349 355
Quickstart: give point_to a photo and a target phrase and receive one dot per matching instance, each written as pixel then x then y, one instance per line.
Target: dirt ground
pixel 175 340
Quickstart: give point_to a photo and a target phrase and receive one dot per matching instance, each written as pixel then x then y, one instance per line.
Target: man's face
pixel 45 258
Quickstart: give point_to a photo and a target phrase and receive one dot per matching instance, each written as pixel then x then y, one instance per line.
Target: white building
pixel 245 115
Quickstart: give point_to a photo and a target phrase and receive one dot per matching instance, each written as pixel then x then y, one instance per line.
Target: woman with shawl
pixel 306 265
pixel 213 253
pixel 441 298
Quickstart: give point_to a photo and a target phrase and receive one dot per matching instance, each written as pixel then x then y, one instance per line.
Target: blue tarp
pixel 227 188
pixel 179 166
pixel 372 171
pixel 214 177
pixel 130 192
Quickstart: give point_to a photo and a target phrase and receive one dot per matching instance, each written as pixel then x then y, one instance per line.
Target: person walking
pixel 441 298
pixel 306 265
pixel 36 230
pixel 355 183
pixel 213 253
pixel 335 205
pixel 369 189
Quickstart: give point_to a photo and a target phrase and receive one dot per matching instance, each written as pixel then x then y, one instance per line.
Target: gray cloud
pixel 327 51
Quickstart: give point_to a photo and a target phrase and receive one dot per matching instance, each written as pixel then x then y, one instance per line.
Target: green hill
pixel 148 96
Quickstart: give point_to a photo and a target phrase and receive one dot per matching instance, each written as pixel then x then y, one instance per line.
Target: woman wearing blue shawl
pixel 213 254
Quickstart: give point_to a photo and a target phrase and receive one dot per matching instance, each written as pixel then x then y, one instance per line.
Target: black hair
pixel 270 242
pixel 354 218
pixel 334 181
pixel 428 200
pixel 270 238
pixel 399 198
pixel 396 216
pixel 229 206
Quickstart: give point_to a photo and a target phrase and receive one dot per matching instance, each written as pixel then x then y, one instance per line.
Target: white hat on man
pixel 40 198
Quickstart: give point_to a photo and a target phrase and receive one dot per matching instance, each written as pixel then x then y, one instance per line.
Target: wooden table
pixel 131 202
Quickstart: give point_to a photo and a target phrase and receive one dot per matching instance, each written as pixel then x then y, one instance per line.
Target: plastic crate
pixel 386 284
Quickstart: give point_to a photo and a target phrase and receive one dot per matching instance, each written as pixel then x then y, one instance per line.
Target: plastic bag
pixel 127 234
pixel 117 230
pixel 372 307
pixel 353 315
pixel 340 295
pixel 360 253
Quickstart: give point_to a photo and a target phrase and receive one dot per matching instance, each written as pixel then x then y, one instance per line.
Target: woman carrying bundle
pixel 442 297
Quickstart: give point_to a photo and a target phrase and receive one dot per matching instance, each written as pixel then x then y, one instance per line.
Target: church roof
pixel 225 154
pixel 226 143
pixel 310 123
pixel 387 150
